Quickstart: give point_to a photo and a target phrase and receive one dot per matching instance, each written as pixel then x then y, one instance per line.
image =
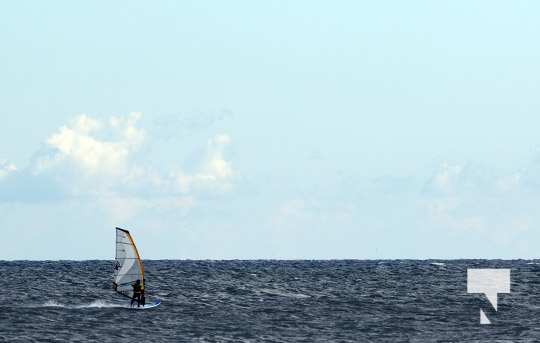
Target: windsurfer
pixel 138 294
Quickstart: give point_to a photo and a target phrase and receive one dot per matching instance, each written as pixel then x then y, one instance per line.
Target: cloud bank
pixel 102 159
pixel 101 168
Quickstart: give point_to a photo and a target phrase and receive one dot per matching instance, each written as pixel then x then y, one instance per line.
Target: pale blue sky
pixel 273 129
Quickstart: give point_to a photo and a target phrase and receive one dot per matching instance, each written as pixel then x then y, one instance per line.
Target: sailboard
pixel 129 269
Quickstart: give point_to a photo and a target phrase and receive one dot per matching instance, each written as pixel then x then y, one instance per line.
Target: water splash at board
pixel 93 304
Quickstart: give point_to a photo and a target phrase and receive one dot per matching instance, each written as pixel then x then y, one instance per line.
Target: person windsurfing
pixel 128 274
pixel 138 294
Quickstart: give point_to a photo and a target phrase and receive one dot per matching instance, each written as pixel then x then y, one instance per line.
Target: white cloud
pixel 6 169
pixel 79 143
pixel 509 183
pixel 454 178
pixel 215 173
pixel 467 199
pixel 446 177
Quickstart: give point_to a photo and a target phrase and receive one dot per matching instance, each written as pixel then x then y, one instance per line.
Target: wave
pixel 93 304
pixel 52 303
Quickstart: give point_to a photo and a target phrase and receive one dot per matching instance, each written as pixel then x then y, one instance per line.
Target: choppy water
pixel 273 301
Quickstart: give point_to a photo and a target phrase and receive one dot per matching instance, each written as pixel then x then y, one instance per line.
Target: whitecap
pixel 98 304
pixel 93 304
pixel 52 303
pixel 284 294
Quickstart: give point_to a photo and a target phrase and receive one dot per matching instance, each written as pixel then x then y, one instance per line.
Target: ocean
pixel 268 301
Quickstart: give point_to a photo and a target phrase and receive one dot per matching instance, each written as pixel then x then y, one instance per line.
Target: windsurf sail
pixel 128 267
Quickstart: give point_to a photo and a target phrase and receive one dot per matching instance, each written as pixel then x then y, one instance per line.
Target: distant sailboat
pixel 128 268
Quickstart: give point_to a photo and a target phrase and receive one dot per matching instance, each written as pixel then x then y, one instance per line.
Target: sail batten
pixel 128 267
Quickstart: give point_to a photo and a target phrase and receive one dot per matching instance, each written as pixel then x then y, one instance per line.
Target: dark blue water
pixel 267 301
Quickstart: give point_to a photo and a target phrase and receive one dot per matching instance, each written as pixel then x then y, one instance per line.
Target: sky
pixel 271 129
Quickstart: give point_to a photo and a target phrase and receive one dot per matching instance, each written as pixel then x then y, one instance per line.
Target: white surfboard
pixel 147 306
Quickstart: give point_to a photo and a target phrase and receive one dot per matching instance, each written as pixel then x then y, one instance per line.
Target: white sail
pixel 128 266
